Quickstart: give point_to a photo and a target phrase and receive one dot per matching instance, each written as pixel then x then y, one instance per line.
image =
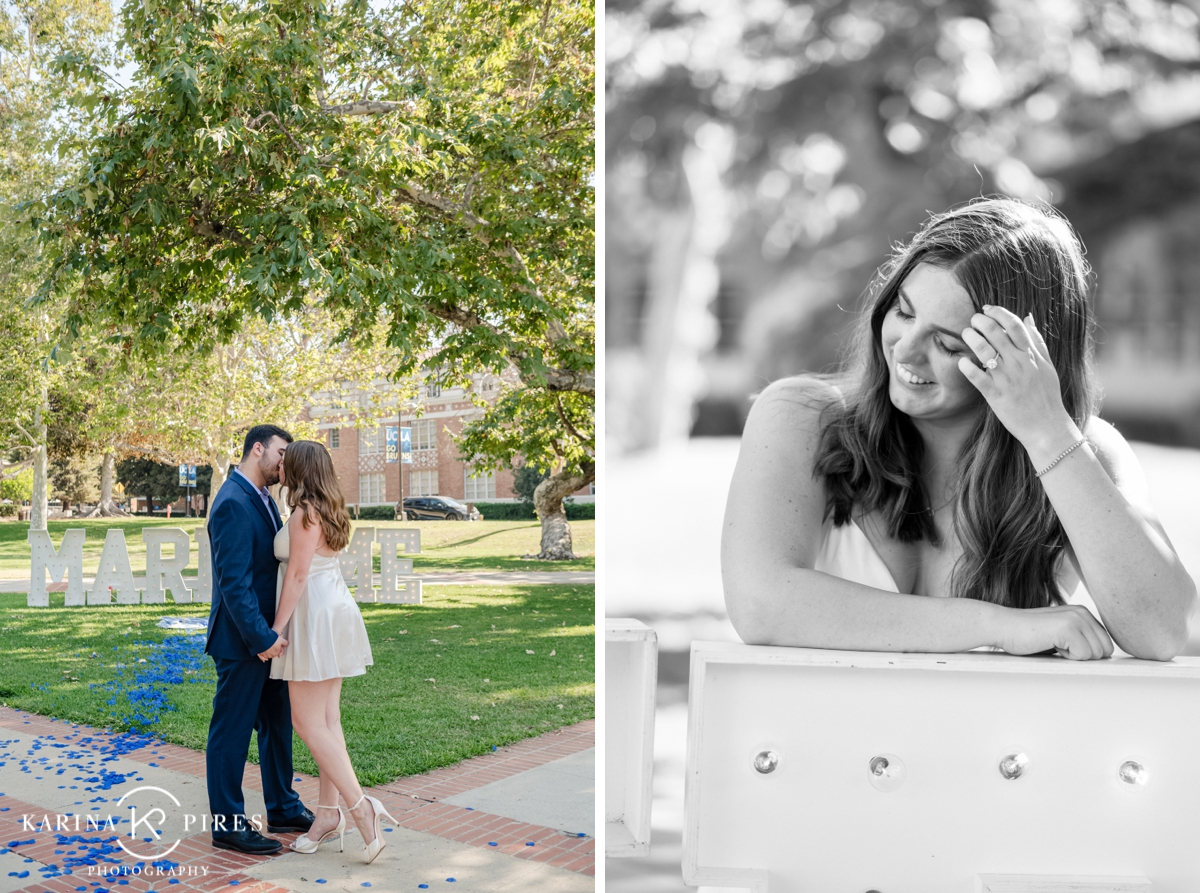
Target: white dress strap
pixel 847 553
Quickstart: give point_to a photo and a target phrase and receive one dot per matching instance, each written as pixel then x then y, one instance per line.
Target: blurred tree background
pixel 763 157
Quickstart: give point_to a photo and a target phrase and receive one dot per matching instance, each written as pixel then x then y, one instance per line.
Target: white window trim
pixel 419 480
pixel 429 427
pixel 473 481
pixel 371 442
pixel 369 498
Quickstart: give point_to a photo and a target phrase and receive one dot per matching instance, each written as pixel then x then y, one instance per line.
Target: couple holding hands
pixel 284 631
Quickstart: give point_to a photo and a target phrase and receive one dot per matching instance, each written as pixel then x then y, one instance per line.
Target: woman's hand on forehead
pixel 1015 375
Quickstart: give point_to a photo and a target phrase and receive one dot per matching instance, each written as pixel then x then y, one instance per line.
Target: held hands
pixel 1072 630
pixel 1017 379
pixel 276 649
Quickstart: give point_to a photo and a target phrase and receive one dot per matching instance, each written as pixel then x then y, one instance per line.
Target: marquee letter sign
pixel 115 583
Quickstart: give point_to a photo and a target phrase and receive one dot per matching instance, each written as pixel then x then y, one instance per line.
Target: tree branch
pixel 562 416
pixel 11 471
pixel 32 440
pixel 159 452
pixel 254 123
pixel 211 229
pixel 370 107
pixel 571 380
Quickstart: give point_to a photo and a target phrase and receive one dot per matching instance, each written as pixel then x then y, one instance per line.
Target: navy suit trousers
pixel 248 699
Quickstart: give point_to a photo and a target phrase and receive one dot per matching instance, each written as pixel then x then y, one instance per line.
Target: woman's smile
pixel 910 377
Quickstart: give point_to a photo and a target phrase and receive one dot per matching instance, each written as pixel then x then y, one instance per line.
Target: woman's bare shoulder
pixel 787 419
pixel 798 397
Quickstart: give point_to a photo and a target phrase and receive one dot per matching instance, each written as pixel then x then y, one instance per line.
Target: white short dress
pixel 846 552
pixel 326 634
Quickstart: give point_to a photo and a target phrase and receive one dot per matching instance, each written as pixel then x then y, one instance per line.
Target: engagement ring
pixel 992 363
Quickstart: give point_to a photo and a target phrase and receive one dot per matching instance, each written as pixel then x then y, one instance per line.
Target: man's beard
pixel 270 473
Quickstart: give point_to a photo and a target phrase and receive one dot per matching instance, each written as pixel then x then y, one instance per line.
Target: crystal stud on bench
pixel 886 772
pixel 1013 765
pixel 1133 774
pixel 766 762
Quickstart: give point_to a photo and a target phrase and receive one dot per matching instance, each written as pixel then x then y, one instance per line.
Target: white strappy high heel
pixel 375 847
pixel 304 845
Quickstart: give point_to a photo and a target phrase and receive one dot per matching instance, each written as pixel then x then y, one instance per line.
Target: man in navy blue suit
pixel 242 524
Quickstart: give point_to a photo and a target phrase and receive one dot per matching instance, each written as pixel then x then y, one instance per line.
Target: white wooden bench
pixel 815 771
pixel 630 675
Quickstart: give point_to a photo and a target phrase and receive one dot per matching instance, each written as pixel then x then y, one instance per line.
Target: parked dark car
pixel 446 508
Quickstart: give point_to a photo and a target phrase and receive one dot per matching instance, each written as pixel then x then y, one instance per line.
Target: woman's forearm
pixel 294 583
pixel 1139 585
pixel 807 608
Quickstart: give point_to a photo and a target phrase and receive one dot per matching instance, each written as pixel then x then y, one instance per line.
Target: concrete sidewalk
pixel 451 578
pixel 521 818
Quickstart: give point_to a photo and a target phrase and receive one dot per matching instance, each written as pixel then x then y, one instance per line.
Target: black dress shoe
pixel 248 841
pixel 301 822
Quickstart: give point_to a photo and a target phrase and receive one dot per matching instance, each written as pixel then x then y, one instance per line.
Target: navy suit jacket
pixel 244 571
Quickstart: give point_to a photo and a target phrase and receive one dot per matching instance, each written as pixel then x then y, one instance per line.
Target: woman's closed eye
pixel 948 351
pixel 938 342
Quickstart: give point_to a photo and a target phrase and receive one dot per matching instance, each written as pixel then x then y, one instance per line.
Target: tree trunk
pixel 220 471
pixel 39 502
pixel 106 507
pixel 548 502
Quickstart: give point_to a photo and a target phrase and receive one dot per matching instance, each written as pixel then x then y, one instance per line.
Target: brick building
pixel 436 470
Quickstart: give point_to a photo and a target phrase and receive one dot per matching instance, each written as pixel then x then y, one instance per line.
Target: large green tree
pixel 425 166
pixel 553 434
pixel 198 406
pixel 38 111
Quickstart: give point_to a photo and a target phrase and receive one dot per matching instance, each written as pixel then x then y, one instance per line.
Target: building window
pixel 422 483
pixel 433 383
pixel 477 487
pixel 335 438
pixel 424 434
pixel 371 488
pixel 370 441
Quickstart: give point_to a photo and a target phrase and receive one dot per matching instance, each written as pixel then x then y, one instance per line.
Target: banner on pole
pixel 183 475
pixel 390 445
pixel 406 446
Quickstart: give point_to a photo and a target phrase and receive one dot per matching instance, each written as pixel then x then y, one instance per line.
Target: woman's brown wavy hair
pixel 1008 254
pixel 312 485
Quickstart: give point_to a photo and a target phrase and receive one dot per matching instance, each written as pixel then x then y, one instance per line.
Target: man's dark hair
pixel 262 434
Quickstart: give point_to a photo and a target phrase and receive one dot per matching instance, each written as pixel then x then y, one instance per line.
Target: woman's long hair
pixel 312 485
pixel 1008 254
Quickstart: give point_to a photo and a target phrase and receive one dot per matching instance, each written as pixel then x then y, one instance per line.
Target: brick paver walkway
pixel 416 802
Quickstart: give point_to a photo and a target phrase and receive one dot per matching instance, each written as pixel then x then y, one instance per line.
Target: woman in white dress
pixel 958 456
pixel 327 641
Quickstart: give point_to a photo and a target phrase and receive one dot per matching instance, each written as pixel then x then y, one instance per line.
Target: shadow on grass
pixel 470 541
pixel 427 561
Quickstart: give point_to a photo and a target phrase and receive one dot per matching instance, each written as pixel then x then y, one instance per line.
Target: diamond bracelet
pixel 1076 445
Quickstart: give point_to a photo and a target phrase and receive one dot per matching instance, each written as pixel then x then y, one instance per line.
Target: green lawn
pixel 445 545
pixel 452 677
pixel 492 546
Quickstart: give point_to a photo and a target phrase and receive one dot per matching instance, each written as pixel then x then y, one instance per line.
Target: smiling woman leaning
pixel 953 488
